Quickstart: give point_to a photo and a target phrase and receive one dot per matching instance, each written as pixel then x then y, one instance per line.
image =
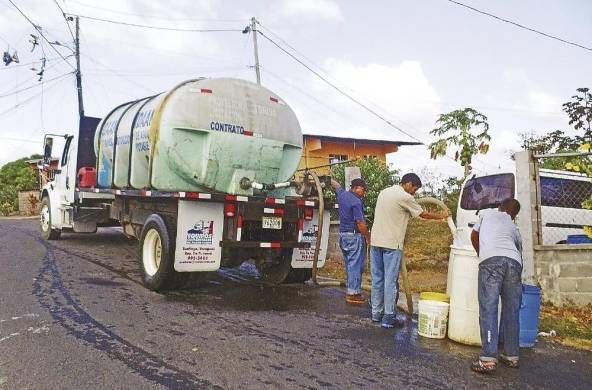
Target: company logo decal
pixel 201 233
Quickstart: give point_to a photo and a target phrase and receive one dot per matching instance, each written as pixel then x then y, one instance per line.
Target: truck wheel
pixel 298 275
pixel 157 254
pixel 45 221
pixel 275 268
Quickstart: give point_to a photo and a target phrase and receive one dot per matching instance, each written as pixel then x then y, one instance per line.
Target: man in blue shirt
pixel 353 235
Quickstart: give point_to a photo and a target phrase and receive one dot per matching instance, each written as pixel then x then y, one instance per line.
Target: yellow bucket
pixel 434 296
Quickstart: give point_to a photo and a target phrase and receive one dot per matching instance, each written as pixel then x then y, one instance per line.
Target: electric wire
pixel 26 101
pixel 65 19
pixel 40 33
pixel 521 26
pixel 155 27
pixel 154 16
pixel 34 86
pixel 341 91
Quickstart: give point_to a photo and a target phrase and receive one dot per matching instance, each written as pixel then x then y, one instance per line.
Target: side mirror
pixel 48 142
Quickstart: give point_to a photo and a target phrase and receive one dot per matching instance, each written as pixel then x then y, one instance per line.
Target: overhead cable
pixel 157 27
pixel 41 33
pixel 34 85
pixel 65 19
pixel 341 91
pixel 521 26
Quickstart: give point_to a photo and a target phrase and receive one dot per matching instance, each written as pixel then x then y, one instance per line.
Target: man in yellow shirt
pixel 394 206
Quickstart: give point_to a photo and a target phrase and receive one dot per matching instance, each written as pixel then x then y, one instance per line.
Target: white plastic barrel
pixel 432 319
pixel 463 271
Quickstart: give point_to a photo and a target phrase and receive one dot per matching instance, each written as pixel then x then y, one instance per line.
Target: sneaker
pixel 355 299
pixel 376 317
pixel 511 362
pixel 391 321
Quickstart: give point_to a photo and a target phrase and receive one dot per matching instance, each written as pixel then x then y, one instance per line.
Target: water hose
pixel 315 259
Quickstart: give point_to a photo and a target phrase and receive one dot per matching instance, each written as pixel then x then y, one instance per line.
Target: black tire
pixel 298 275
pixel 156 252
pixel 45 219
pixel 275 268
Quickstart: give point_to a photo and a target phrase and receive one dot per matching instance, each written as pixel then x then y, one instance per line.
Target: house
pixel 322 150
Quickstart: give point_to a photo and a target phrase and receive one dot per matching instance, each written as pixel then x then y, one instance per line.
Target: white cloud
pixel 312 9
pixel 401 93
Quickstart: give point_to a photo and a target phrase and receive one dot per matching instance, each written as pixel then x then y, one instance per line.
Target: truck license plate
pixel 272 222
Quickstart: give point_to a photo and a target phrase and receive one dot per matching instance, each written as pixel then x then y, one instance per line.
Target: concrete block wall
pixel 565 273
pixel 28 202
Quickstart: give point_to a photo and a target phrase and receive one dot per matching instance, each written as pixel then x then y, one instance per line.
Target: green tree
pixel 15 176
pixel 377 175
pixel 554 142
pixel 466 131
pixel 579 111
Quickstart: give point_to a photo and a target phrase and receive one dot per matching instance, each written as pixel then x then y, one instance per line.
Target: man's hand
pixel 475 240
pixel 362 228
pixel 441 215
pixel 335 184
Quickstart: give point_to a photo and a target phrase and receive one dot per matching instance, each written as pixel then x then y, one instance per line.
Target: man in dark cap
pixel 353 235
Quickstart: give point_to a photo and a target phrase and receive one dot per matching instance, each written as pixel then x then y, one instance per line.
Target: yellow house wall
pixel 316 151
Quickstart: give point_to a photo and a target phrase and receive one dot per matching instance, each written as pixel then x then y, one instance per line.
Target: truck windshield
pixel 487 191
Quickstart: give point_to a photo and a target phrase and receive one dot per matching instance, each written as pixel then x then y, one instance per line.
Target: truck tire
pixel 298 275
pixel 45 221
pixel 156 252
pixel 275 268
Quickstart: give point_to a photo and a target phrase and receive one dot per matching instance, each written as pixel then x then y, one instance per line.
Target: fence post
pixel 528 219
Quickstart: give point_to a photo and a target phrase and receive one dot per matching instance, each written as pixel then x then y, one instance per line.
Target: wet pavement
pixel 75 315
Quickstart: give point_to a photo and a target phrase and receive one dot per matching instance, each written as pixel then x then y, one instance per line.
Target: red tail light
pixel 229 209
pixel 308 213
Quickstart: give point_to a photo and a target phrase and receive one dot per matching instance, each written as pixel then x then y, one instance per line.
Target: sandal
pixel 483 367
pixel 509 362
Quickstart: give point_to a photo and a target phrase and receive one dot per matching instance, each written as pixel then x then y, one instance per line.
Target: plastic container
pixel 579 239
pixel 434 296
pixel 432 319
pixel 463 272
pixel 529 315
pixel 202 135
pixel 87 177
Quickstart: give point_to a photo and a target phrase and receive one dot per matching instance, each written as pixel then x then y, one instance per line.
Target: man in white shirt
pixel 394 206
pixel 497 241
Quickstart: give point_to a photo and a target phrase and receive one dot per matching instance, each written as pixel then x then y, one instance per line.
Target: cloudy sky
pixel 408 60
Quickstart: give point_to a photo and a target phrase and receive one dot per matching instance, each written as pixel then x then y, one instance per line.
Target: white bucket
pixel 433 317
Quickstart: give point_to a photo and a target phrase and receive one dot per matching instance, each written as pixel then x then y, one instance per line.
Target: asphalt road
pixel 73 314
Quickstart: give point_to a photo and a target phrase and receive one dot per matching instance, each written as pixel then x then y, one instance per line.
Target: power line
pixel 364 106
pixel 65 19
pixel 40 33
pixel 25 101
pixel 33 86
pixel 21 140
pixel 154 16
pixel 521 25
pixel 156 27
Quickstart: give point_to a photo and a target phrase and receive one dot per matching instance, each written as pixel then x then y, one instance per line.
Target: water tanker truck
pixel 202 175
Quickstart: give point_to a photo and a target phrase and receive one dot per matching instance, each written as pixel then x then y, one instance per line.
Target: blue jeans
pixel 385 279
pixel 499 275
pixel 353 247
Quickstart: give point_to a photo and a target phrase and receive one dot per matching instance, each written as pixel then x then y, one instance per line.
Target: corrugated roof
pixel 367 140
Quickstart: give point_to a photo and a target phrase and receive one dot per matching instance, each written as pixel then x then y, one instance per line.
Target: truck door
pixel 66 179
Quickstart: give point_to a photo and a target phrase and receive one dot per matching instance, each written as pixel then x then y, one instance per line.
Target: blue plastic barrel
pixel 529 315
pixel 579 239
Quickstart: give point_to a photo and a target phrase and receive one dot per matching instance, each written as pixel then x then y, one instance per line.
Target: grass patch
pixel 427 247
pixel 572 324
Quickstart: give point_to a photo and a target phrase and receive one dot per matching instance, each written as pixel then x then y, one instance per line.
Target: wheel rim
pixel 152 252
pixel 44 218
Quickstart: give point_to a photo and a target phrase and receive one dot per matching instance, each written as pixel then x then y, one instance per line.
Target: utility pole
pixel 78 74
pixel 254 30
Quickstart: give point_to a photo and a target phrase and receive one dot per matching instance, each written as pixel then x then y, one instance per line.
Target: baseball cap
pixel 359 183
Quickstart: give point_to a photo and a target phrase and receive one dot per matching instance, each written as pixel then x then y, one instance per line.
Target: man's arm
pixel 475 240
pixel 335 184
pixel 364 230
pixel 429 215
